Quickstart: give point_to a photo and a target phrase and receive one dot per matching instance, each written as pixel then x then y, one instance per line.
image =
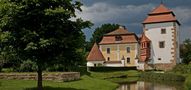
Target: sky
pixel 131 14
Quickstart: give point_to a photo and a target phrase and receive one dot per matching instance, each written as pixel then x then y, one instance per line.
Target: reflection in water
pixel 142 85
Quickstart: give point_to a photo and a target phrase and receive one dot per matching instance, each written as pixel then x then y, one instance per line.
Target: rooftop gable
pixel 160 9
pixel 95 54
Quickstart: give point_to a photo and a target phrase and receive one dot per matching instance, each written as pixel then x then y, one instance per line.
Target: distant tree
pixel 185 51
pixel 42 31
pixel 99 32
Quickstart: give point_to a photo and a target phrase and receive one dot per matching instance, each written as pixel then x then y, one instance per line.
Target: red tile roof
pixel 160 18
pixel 95 54
pixel 119 31
pixel 160 9
pixel 127 37
pixel 144 38
pixel 160 14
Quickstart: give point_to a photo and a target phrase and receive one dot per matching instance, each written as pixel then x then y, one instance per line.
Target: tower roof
pixel 144 38
pixel 160 9
pixel 160 14
pixel 95 54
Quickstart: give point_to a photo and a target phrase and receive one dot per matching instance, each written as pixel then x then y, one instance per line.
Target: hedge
pixel 182 68
pixel 161 76
pixel 187 83
pixel 110 69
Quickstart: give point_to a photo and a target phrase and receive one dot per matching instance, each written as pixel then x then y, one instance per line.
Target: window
pixel 148 45
pixel 128 49
pixel 118 38
pixel 108 58
pixel 128 60
pixel 108 50
pixel 163 31
pixel 162 44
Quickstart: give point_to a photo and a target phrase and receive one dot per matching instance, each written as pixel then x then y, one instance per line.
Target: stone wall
pixel 165 67
pixel 56 76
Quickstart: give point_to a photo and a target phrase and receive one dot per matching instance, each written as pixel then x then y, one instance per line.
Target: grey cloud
pixel 131 16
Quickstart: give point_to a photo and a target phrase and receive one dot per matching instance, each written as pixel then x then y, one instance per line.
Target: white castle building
pixel 158 47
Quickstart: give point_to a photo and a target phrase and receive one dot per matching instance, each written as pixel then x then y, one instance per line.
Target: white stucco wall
pixel 153 32
pixel 91 63
pixel 114 65
pixel 140 65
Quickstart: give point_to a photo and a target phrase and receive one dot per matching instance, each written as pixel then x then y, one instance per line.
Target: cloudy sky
pixel 131 13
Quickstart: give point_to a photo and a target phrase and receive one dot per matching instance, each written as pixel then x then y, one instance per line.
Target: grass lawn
pixel 118 76
pixel 86 83
pixel 93 81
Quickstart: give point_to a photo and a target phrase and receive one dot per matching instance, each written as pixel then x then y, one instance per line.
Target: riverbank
pixel 92 81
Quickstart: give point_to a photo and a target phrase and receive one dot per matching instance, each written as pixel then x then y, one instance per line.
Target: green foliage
pixel 161 76
pixel 28 66
pixel 115 74
pixel 185 51
pixel 187 84
pixel 99 32
pixel 42 31
pixel 182 68
pixel 7 70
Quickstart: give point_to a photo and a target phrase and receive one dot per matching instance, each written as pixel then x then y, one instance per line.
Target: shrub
pixel 0 68
pixel 161 76
pixel 182 68
pixel 28 66
pixel 56 67
pixel 187 84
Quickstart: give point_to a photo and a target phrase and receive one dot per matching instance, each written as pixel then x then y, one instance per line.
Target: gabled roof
pixel 160 18
pixel 160 9
pixel 144 38
pixel 95 54
pixel 132 38
pixel 159 15
pixel 119 31
pixel 126 37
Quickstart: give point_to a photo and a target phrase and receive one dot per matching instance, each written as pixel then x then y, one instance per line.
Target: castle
pixel 156 48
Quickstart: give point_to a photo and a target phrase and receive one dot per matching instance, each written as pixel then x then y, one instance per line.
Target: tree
pixel 42 31
pixel 99 32
pixel 185 51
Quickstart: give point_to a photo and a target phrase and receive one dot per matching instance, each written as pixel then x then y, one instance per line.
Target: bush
pixel 1 64
pixel 110 69
pixel 187 84
pixel 28 66
pixel 182 68
pixel 0 68
pixel 161 76
pixel 56 67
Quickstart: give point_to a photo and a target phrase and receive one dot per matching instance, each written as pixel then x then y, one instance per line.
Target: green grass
pixel 104 75
pixel 86 83
pixel 118 76
pixel 187 83
pixel 95 81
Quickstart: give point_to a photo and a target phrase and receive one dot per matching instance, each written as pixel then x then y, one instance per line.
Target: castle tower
pixel 162 29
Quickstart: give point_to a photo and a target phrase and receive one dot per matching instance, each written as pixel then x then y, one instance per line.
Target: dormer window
pixel 118 38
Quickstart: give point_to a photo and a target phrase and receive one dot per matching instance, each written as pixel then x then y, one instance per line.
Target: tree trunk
pixel 39 85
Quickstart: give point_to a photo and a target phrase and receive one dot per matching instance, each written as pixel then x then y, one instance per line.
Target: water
pixel 143 85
